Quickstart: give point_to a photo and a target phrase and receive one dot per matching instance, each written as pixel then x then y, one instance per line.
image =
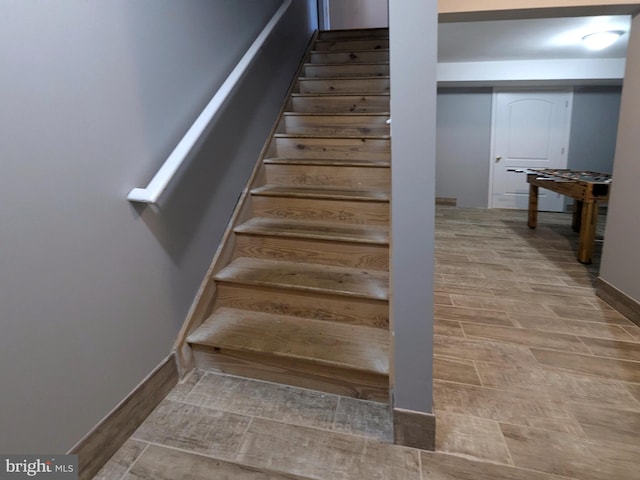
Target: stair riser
pixel 335 125
pixel 343 148
pixel 364 56
pixel 341 104
pixel 365 33
pixel 346 70
pixel 340 211
pixel 346 45
pixel 357 85
pixel 330 308
pixel 297 373
pixel 340 254
pixel 357 178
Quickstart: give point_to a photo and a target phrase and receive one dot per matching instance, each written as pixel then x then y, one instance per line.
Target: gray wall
pixel 464 138
pixel 594 125
pixel 463 145
pixel 358 14
pixel 413 106
pixel 94 97
pixel 620 260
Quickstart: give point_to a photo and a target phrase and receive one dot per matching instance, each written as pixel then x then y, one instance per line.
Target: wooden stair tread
pixel 351 50
pixel 325 79
pixel 373 284
pixel 356 95
pixel 328 162
pixel 354 347
pixel 370 234
pixel 349 56
pixel 340 64
pixel 321 192
pixel 322 70
pixel 369 32
pixel 332 137
pixel 346 39
pixel 366 39
pixel 337 114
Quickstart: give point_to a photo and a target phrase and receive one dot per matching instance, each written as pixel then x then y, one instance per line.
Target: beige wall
pixel 621 257
pixel 460 6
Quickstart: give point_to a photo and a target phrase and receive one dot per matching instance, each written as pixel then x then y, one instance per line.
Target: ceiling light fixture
pixel 601 40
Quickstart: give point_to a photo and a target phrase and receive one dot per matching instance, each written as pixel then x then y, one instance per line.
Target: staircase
pixel 298 292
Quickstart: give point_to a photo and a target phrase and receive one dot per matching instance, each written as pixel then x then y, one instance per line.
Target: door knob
pixel 498 159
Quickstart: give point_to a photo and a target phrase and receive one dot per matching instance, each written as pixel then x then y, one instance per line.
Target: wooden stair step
pixel 315 230
pixel 376 84
pixel 355 347
pixel 350 34
pixel 337 162
pixel 360 177
pixel 323 279
pixel 330 308
pixel 321 193
pixel 318 70
pixel 332 124
pixel 376 148
pixel 352 56
pixel 339 103
pixel 295 351
pixel 345 115
pixel 369 256
pixel 331 137
pixel 352 44
pixel 344 79
pixel 322 210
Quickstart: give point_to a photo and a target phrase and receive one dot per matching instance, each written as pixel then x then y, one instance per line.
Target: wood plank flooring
pixel 508 406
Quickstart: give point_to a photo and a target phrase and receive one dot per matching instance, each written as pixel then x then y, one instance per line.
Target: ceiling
pixel 530 39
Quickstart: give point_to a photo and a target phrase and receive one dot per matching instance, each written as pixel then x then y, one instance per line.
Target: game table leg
pixel 588 222
pixel 533 206
pixel 577 215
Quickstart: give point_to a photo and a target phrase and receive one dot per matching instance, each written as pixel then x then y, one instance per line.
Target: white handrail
pixel 161 179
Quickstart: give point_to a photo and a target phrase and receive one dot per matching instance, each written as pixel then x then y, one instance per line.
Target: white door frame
pixel 494 108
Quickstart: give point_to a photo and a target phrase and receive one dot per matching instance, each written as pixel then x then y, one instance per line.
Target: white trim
pixel 492 148
pixel 584 70
pixel 151 193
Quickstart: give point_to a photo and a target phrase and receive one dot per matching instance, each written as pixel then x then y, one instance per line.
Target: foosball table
pixel 588 189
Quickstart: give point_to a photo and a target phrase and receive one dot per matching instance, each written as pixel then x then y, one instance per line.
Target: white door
pixel 530 130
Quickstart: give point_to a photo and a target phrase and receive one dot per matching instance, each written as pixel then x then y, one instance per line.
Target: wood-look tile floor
pixel 535 379
pixel 552 373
